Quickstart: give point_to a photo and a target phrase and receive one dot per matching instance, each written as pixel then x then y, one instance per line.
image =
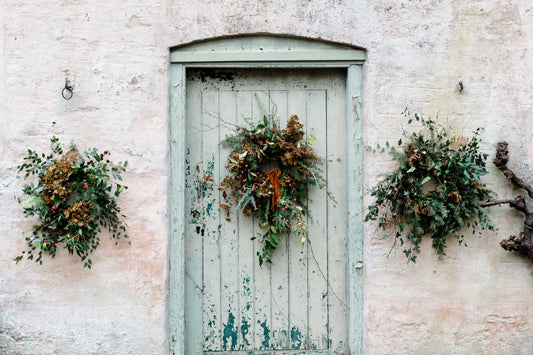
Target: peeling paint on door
pixel 296 338
pixel 265 344
pixel 286 306
pixel 245 330
pixel 230 333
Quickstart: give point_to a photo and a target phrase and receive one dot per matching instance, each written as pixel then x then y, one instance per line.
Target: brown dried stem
pixel 523 243
pixel 502 156
pixel 518 203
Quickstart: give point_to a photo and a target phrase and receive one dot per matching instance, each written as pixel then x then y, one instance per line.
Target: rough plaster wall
pixel 477 299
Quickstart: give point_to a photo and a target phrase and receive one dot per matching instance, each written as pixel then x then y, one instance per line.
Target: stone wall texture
pixel 116 54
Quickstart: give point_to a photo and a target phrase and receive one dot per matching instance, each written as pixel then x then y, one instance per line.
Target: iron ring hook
pixel 67 91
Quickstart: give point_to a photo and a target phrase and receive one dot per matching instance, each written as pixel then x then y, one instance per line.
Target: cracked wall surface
pixel 116 56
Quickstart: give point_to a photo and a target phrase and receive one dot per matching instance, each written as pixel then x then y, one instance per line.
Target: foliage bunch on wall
pixel 75 195
pixel 435 189
pixel 270 170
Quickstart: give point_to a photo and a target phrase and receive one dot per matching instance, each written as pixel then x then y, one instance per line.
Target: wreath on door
pixel 269 173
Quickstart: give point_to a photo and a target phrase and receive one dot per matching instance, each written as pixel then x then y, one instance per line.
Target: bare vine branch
pixel 524 242
pixel 502 157
pixel 494 203
pixel 519 203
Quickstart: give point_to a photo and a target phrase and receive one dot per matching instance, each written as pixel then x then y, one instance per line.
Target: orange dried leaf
pixel 224 206
pixel 208 178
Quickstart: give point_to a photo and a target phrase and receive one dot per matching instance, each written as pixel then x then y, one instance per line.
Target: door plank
pixel 336 148
pixel 279 268
pixel 247 258
pixel 317 221
pixel 193 217
pixel 229 243
pixel 298 257
pixel 262 287
pixel 210 232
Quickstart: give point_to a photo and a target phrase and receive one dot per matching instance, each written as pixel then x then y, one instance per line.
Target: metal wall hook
pixel 68 91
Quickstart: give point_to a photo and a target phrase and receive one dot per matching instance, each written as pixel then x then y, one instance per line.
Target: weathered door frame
pixel 255 52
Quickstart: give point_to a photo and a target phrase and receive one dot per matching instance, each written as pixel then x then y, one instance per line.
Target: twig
pixel 519 203
pixel 221 120
pixel 324 276
pixel 494 203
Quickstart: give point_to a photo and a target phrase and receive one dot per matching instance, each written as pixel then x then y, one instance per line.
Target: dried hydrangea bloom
pixel 55 180
pixel 80 213
pixel 294 131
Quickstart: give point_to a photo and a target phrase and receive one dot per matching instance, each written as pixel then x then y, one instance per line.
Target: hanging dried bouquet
pixel 75 196
pixel 270 170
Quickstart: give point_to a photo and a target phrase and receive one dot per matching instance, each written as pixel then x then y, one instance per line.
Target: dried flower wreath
pixel 270 169
pixel 74 197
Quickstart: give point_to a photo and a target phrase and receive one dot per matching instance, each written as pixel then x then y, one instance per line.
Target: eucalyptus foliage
pixel 435 189
pixel 72 196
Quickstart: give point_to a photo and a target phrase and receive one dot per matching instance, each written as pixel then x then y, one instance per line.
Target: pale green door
pixel 298 305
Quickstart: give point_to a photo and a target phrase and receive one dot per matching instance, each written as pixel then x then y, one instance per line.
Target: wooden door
pixel 298 304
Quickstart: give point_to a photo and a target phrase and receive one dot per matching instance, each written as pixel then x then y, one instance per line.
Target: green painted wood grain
pixel 176 283
pixel 355 208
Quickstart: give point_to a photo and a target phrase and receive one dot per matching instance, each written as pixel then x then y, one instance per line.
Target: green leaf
pixel 424 180
pixel 275 239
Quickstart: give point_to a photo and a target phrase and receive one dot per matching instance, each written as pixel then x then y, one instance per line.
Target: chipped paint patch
pixel 229 335
pixel 209 208
pixel 355 102
pixel 247 291
pixel 279 339
pixel 245 330
pixel 265 344
pixel 212 330
pixel 210 166
pixel 207 187
pixel 246 285
pixel 296 338
pixel 357 176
